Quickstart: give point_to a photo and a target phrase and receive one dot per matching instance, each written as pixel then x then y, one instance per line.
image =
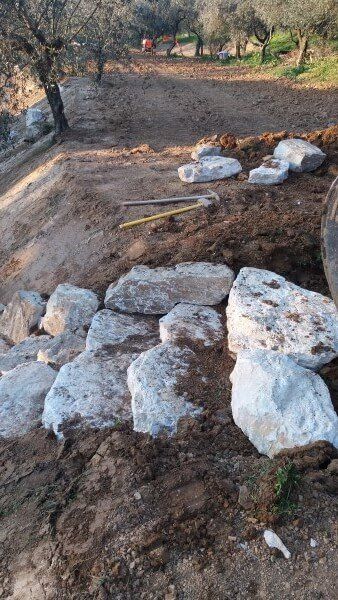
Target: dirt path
pixel 60 210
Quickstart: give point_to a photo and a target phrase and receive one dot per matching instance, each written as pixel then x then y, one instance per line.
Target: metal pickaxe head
pixel 214 197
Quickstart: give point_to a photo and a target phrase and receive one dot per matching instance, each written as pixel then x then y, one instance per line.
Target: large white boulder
pixel 209 168
pixel 111 331
pixel 271 172
pixel 22 394
pixel 62 349
pixel 24 352
pixel 153 378
pixel 300 154
pixel 203 150
pixel 266 311
pixel 21 316
pixel 279 404
pixel 188 322
pixel 70 308
pixel 91 391
pixel 156 291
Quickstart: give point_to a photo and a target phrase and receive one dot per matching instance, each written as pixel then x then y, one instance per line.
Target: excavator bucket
pixel 329 239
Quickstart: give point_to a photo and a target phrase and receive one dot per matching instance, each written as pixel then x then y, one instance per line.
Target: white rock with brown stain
pixel 156 291
pixel 300 154
pixel 278 404
pixel 91 391
pixel 22 394
pixel 203 150
pixel 153 378
pixel 62 349
pixel 271 172
pixel 266 311
pixel 209 168
pixel 191 323
pixel 70 308
pixel 21 316
pixel 24 352
pixel 110 331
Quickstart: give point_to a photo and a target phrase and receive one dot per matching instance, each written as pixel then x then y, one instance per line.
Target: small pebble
pixel 137 496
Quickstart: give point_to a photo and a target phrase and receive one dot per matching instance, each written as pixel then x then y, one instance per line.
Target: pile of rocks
pixel 68 364
pixel 292 154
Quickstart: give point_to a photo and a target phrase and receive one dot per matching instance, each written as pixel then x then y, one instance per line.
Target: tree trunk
pixel 171 47
pixel 100 65
pixel 238 50
pixel 199 47
pixel 303 46
pixel 55 102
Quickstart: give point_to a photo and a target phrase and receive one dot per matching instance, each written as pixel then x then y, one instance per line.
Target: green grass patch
pixel 323 70
pixel 281 43
pixel 287 480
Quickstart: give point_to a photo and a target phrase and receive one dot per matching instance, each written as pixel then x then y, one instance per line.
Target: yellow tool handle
pixel 169 213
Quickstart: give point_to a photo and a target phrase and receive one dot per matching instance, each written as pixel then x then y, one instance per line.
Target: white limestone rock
pixel 203 150
pixel 152 379
pixel 35 120
pixel 91 391
pixel 209 168
pixel 274 541
pixel 33 116
pixel 70 308
pixel 62 349
pixel 24 352
pixel 266 311
pixel 21 316
pixel 110 331
pixel 192 323
pixel 279 404
pixel 271 172
pixel 300 154
pixel 22 395
pixel 156 291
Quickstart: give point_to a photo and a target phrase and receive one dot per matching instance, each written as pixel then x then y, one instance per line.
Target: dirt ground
pixel 114 514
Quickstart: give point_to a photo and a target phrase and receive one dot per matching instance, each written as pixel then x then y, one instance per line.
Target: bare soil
pixel 114 514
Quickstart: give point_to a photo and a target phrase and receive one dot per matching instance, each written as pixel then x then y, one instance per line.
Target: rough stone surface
pixel 279 404
pixel 152 379
pixel 271 172
pixel 209 168
pixel 192 323
pixel 62 349
pixel 33 116
pixel 35 120
pixel 266 311
pixel 70 308
pixel 2 308
pixel 21 316
pixel 300 154
pixel 203 150
pixel 156 291
pixel 22 394
pixel 91 391
pixel 110 331
pixel 24 352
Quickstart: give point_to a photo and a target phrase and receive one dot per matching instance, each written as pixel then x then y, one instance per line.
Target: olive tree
pixel 40 31
pixel 304 17
pixel 106 33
